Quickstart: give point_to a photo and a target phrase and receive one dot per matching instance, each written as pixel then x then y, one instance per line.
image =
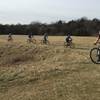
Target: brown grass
pixel 48 72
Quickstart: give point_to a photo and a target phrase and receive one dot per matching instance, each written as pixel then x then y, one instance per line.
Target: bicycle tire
pixel 95 61
pixel 31 41
pixel 45 42
pixel 10 39
pixel 71 45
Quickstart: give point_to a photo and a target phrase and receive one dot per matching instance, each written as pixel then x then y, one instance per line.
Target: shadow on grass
pixel 82 48
pixel 83 62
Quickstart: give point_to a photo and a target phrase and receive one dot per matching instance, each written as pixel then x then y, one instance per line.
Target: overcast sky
pixel 26 11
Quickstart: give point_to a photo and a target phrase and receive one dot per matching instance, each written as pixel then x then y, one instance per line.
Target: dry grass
pixel 52 72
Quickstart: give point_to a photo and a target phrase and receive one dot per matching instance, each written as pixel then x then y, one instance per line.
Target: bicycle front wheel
pixel 95 55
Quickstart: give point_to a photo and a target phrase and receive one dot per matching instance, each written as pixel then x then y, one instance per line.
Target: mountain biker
pixel 30 35
pixel 10 36
pixel 68 38
pixel 98 39
pixel 45 37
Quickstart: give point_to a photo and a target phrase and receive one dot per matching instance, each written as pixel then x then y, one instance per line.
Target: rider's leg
pixel 9 38
pixel 45 40
pixel 97 41
pixel 68 43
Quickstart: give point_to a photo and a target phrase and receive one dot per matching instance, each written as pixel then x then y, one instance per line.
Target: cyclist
pixel 10 37
pixel 30 35
pixel 68 39
pixel 31 38
pixel 45 37
pixel 98 39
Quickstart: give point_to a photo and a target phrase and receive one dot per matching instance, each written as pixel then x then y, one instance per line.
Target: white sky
pixel 26 11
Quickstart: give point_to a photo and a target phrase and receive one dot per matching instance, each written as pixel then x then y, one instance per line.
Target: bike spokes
pixel 95 55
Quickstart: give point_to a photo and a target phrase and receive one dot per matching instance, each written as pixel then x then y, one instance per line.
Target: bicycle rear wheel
pixel 95 55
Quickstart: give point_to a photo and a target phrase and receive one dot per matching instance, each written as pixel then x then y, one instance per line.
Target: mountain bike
pixel 10 39
pixel 95 54
pixel 69 44
pixel 45 42
pixel 31 40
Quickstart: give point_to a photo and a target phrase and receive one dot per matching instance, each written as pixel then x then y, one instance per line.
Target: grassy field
pixel 48 72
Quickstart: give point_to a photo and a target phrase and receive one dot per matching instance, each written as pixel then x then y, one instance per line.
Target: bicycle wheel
pixel 10 39
pixel 71 45
pixel 31 41
pixel 95 55
pixel 45 42
pixel 42 42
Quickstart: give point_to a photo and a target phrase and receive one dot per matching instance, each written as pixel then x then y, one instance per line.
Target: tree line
pixel 79 27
